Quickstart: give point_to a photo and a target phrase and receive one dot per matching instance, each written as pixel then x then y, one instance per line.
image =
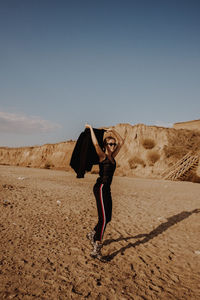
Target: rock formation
pixel 148 151
pixel 191 125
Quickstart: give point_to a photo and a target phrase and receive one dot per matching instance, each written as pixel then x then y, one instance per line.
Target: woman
pixel 107 166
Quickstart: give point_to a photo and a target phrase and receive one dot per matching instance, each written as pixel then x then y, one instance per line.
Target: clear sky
pixel 65 63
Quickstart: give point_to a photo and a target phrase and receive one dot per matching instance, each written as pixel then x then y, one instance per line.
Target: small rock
pixel 161 219
pixel 6 202
pixel 21 178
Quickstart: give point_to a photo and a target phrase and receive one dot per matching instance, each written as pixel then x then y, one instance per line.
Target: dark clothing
pixel 106 171
pixel 84 155
pixel 104 208
pixel 103 197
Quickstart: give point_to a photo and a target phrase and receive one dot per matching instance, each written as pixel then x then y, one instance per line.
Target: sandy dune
pixel 152 245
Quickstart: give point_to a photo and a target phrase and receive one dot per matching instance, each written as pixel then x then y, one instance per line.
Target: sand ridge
pixel 151 246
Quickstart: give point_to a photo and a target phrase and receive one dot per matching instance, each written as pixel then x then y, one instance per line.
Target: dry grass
pixel 148 143
pixel 95 170
pixel 181 144
pixel 193 177
pixel 153 157
pixel 175 151
pixel 48 165
pixel 135 161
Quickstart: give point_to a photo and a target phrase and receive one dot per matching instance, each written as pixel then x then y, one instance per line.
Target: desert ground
pixel 151 247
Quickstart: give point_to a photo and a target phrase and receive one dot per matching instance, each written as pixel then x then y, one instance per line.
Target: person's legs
pixel 104 208
pixel 100 201
pixel 90 235
pixel 107 203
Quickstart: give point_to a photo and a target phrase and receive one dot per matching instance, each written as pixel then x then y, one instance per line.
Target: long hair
pixel 105 141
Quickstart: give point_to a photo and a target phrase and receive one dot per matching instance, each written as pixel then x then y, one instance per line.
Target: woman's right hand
pixel 87 126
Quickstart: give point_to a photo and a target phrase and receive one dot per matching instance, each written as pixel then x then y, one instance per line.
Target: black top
pixel 106 171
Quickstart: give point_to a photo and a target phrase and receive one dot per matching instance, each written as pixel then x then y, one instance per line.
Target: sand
pixel 151 247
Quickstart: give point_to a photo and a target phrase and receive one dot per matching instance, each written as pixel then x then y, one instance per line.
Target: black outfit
pixel 84 155
pixel 103 197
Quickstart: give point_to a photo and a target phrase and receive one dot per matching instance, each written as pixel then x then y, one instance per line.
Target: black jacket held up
pixel 84 155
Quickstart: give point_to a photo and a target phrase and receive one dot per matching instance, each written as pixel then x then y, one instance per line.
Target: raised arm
pixel 119 139
pixel 98 149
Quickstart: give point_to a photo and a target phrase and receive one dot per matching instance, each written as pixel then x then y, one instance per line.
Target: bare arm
pixel 119 139
pixel 98 149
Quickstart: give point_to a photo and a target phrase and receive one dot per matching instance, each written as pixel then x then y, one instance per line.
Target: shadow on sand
pixel 148 236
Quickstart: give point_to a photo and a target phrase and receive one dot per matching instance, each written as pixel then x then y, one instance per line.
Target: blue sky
pixel 65 63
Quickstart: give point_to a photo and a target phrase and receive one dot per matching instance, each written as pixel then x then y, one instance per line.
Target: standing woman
pixel 107 166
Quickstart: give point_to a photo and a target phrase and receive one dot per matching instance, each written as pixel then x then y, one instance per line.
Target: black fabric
pixel 84 155
pixel 103 196
pixel 104 208
pixel 106 171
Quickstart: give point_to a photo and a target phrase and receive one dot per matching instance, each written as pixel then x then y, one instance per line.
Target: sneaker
pixel 90 236
pixel 96 252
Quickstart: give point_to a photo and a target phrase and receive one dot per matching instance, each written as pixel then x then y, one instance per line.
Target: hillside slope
pixel 192 125
pixel 148 151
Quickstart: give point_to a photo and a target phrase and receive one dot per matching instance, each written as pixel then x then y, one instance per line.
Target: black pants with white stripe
pixel 104 207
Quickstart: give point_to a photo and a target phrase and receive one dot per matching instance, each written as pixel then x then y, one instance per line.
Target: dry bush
pixel 94 172
pixel 181 142
pixel 48 165
pixel 193 177
pixel 135 161
pixel 175 151
pixel 153 157
pixel 148 143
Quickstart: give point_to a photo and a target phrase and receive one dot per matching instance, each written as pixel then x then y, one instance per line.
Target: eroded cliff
pixel 148 151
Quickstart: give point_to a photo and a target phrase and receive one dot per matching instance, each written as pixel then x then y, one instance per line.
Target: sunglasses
pixel 112 144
